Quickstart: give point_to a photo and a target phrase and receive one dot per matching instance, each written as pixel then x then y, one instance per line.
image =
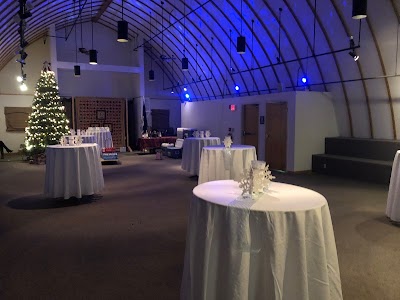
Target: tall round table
pixel 73 171
pixel 281 246
pixel 218 162
pixel 103 138
pixel 191 152
pixel 393 199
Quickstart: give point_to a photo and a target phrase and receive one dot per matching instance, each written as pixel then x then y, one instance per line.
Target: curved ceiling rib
pixel 389 94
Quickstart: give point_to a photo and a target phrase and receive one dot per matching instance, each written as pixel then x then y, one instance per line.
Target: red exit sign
pixel 232 107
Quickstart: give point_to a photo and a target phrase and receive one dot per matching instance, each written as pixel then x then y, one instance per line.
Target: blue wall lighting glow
pixel 237 88
pixel 304 80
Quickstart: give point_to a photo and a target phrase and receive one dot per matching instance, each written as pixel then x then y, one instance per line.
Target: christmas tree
pixel 47 123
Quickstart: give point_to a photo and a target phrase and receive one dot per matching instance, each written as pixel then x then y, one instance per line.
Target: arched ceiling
pixel 285 40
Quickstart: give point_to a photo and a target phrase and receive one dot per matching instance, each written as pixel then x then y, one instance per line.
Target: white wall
pixel 311 118
pixel 38 52
pixel 172 105
pixel 10 94
pixel 12 139
pixel 315 120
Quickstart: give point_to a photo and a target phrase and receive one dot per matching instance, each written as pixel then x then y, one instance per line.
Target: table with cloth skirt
pixel 191 152
pixel 73 171
pixel 281 246
pixel 218 162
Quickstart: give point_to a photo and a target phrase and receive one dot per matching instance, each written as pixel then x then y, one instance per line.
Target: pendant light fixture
pixel 92 52
pixel 241 40
pixel 77 68
pixel 122 28
pixel 359 9
pixel 185 61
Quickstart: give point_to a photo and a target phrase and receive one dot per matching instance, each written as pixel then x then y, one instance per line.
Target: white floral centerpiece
pixel 256 180
pixel 227 141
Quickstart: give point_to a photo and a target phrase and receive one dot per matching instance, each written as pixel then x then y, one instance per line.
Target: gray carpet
pixel 128 243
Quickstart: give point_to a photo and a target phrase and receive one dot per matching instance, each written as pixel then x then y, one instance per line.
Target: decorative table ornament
pixel 78 132
pixel 202 134
pixel 256 180
pixel 63 141
pixel 208 133
pixel 72 131
pixel 227 141
pixel 196 134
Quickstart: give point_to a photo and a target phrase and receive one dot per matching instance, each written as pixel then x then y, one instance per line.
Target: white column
pixel 53 49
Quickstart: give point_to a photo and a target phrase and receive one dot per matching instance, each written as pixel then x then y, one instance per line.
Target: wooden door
pixel 276 134
pixel 250 125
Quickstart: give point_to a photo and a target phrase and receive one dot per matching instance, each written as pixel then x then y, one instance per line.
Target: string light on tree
pixel 47 123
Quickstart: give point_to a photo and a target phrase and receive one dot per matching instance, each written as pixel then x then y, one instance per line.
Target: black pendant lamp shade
pixel 185 64
pixel 77 71
pixel 122 31
pixel 241 45
pixel 151 75
pixel 359 9
pixel 93 57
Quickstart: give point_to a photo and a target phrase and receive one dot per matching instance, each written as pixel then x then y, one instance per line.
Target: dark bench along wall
pixel 364 159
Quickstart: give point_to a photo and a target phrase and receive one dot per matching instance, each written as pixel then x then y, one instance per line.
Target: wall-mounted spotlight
pixel 187 96
pixel 24 55
pixel 354 55
pixel 237 88
pixel 185 88
pixel 23 87
pixel 172 91
pixel 21 78
pixel 151 75
pixel 359 9
pixel 304 80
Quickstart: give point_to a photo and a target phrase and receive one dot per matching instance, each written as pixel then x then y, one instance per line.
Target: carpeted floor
pixel 129 242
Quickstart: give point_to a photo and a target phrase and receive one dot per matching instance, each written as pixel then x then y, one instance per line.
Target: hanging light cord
pixel 230 50
pixel 196 62
pixel 122 10
pixel 315 13
pixel 151 48
pixel 91 17
pixel 252 46
pixel 81 25
pixel 76 43
pixel 211 57
pixel 279 35
pixel 241 17
pixel 184 29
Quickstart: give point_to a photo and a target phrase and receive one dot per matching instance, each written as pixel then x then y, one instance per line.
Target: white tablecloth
pixel 191 152
pixel 103 138
pixel 393 200
pixel 281 246
pixel 219 163
pixel 73 171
